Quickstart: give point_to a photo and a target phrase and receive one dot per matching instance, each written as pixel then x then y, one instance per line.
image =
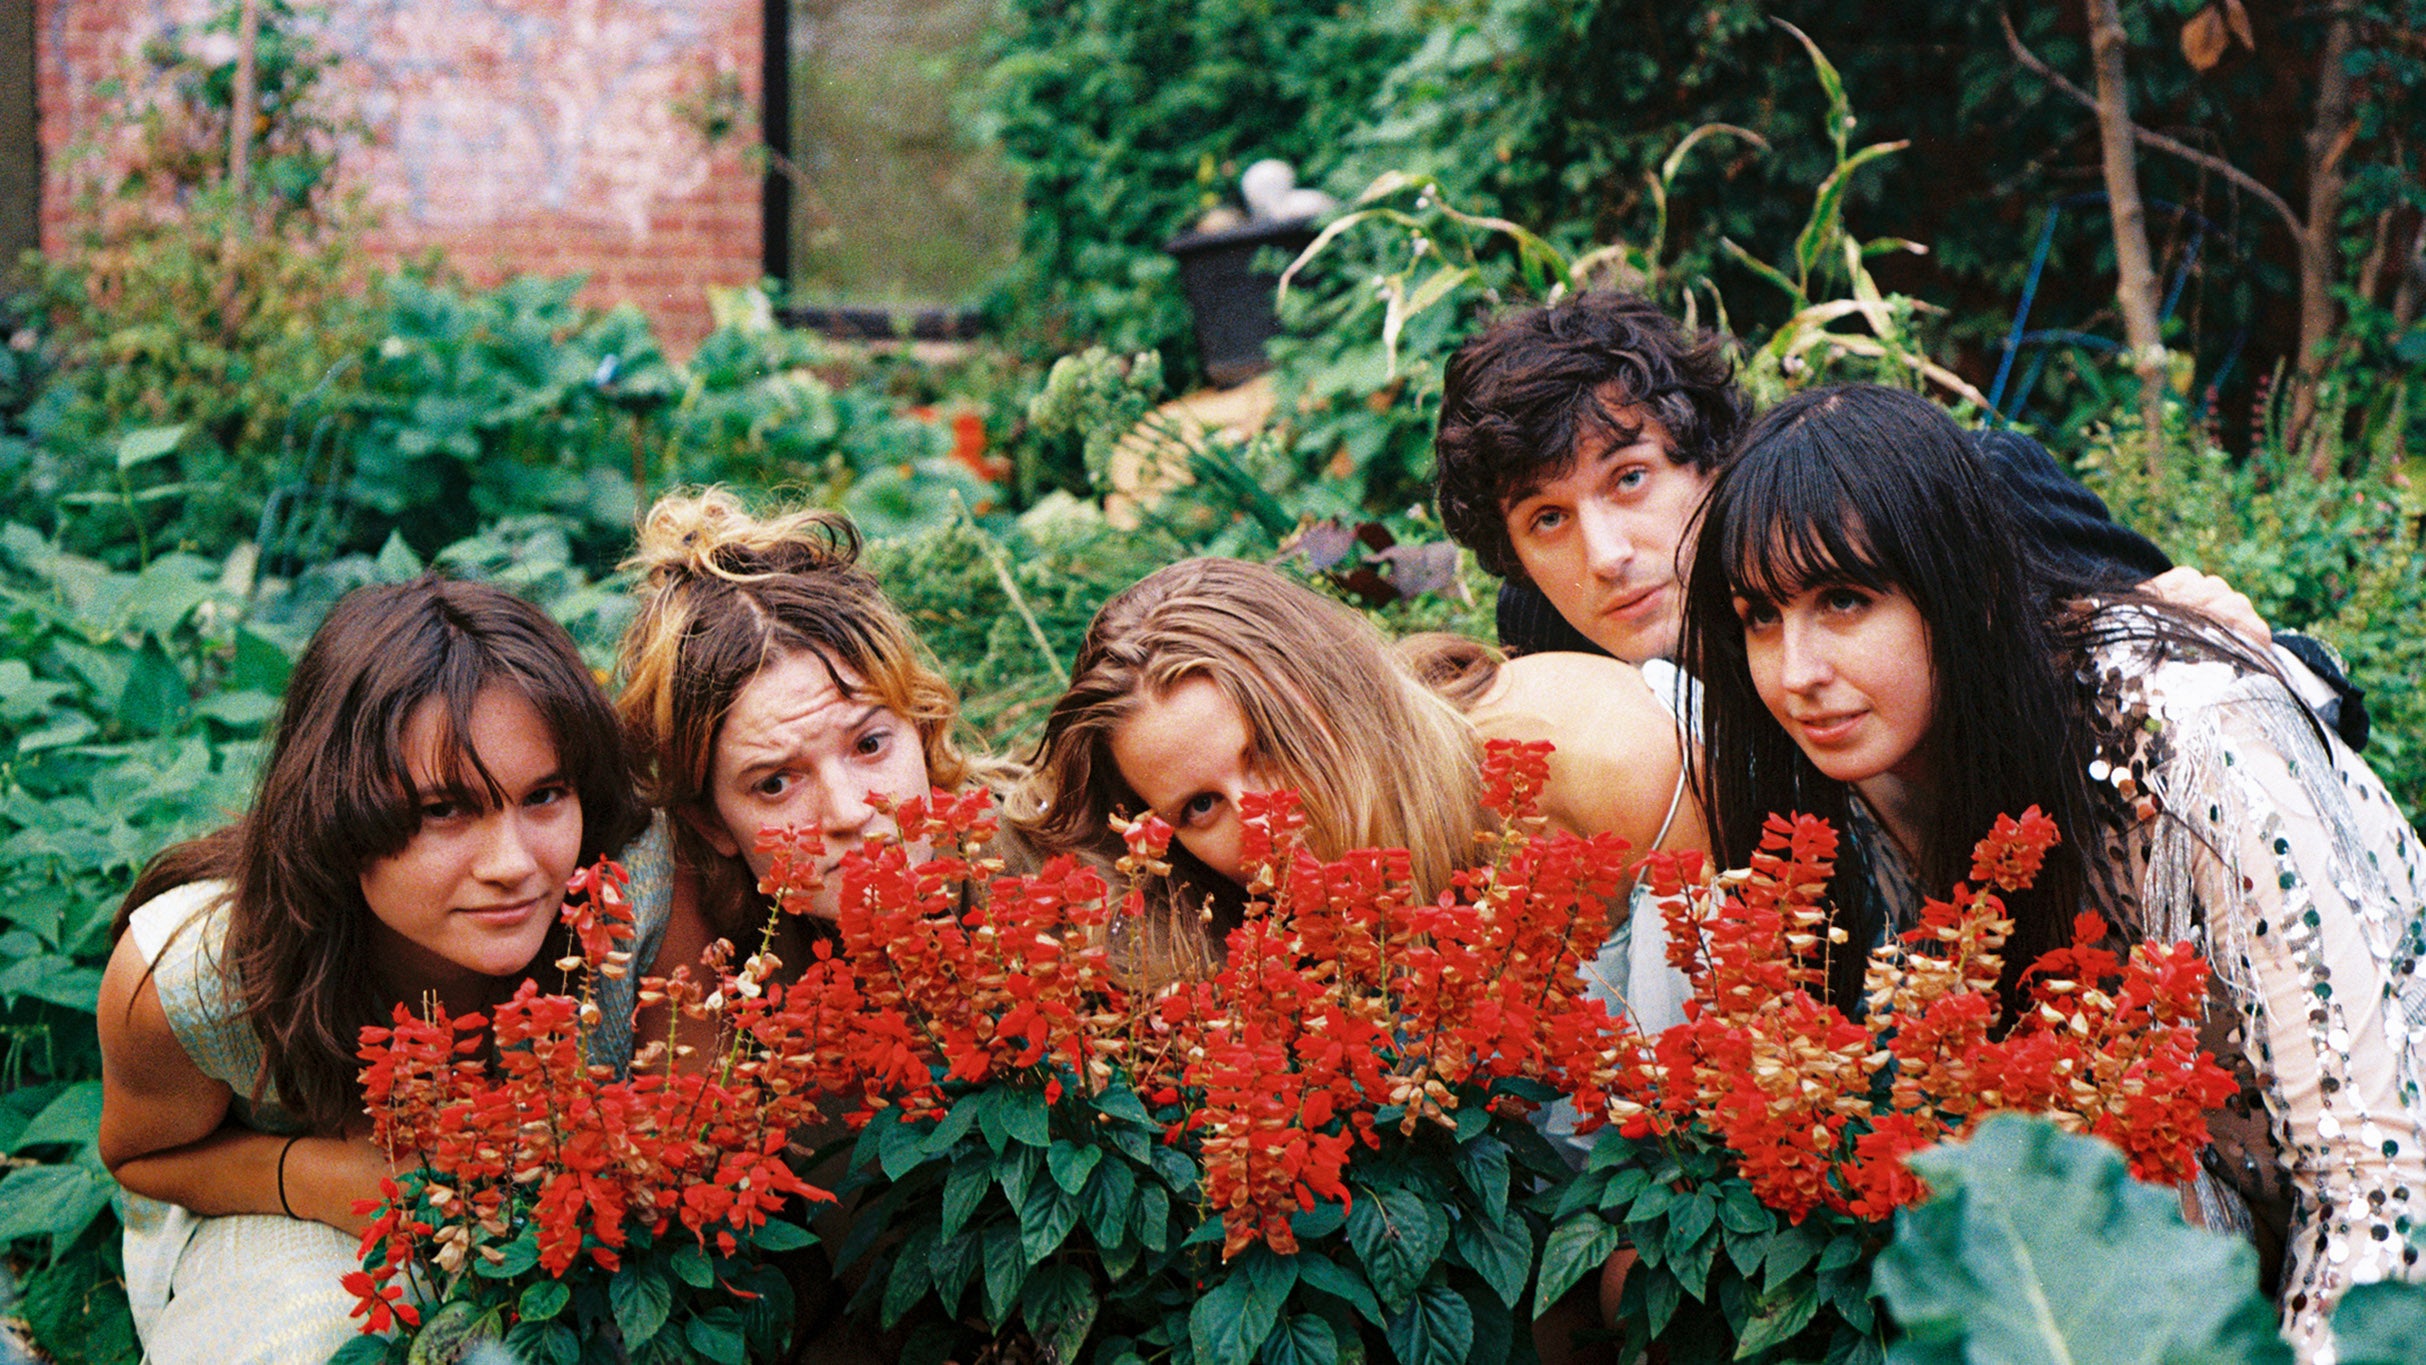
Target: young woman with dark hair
pixel 1877 646
pixel 443 763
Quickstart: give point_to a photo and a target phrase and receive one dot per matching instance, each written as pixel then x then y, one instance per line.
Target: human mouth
pixel 506 915
pixel 1829 728
pixel 1636 606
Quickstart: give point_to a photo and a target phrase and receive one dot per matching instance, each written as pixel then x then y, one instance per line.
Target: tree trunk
pixel 2135 287
pixel 2328 138
pixel 244 101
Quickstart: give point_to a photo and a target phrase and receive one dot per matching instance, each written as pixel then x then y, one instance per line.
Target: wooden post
pixel 2135 288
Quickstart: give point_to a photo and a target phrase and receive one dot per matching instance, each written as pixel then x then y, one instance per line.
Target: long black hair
pixel 1879 489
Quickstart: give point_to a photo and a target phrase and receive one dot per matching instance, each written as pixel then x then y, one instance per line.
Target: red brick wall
pixel 516 136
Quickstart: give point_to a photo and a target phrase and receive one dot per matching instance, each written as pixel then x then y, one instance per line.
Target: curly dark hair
pixel 1516 398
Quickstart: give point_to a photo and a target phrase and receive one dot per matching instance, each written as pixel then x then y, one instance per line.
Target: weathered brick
pixel 518 136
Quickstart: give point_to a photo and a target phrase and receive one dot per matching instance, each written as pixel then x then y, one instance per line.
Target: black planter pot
pixel 1231 299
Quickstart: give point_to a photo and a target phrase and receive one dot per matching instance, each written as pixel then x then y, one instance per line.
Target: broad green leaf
pixel 1006 1270
pixel 954 1126
pixel 1024 1117
pixel 1111 1200
pixel 73 1118
pixel 1305 1339
pixel 1483 1165
pixel 148 444
pixel 1576 1247
pixel 1016 1171
pixel 156 698
pixel 396 561
pixel 52 1201
pixel 1320 1272
pixel 1435 1328
pixel 1071 1164
pixel 777 1235
pixel 1777 1317
pixel 963 1189
pixel 641 1299
pixel 716 1335
pixel 1498 1249
pixel 1059 1307
pixel 543 1300
pixel 2380 1324
pixel 1153 1217
pixel 911 1277
pixel 1688 1219
pixel 1229 1324
pixel 692 1266
pixel 1045 1219
pixel 238 710
pixel 1400 1234
pixel 2038 1246
pixel 899 1147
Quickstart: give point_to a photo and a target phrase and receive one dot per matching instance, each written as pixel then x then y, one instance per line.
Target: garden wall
pixel 550 136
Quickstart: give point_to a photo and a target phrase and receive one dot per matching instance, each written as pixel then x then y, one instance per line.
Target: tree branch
pixel 2162 143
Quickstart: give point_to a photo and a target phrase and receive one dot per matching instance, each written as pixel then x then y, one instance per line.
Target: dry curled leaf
pixel 2237 19
pixel 2204 39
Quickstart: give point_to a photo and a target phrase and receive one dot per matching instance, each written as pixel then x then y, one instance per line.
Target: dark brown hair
pixel 1516 399
pixel 337 794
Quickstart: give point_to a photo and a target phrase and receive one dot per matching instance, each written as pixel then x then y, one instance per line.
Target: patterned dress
pixel 2268 844
pixel 262 1289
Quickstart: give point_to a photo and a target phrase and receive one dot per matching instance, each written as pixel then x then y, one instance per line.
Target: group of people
pixel 1849 606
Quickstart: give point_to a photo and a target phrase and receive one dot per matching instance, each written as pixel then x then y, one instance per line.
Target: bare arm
pixel 166 1133
pixel 1618 754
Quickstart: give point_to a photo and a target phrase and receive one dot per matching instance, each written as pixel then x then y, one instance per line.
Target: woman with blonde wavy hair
pixel 1216 677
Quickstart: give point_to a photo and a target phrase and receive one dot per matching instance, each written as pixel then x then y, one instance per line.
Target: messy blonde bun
pixel 710 533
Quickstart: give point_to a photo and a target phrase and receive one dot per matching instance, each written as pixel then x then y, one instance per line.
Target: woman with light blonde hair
pixel 1217 677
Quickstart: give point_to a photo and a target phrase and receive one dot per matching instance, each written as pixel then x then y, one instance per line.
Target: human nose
pixel 1607 547
pixel 1804 661
pixel 843 809
pixel 508 855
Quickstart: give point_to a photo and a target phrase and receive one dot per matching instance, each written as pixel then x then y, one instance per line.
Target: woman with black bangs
pixel 1877 647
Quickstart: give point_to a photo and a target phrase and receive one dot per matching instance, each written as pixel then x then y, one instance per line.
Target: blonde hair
pixel 723 593
pixel 1331 709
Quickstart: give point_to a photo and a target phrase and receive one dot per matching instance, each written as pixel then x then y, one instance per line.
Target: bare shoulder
pixel 1617 752
pixel 153 1094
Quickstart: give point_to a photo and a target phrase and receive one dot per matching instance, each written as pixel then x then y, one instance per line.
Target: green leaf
pixel 1025 1119
pixel 156 696
pixel 1305 1339
pixel 1006 1269
pixel 539 1343
pixel 396 561
pixel 1228 1325
pixel 2380 1324
pixel 1111 1200
pixel 2039 1247
pixel 1017 1171
pixel 954 1125
pixel 148 444
pixel 1330 1277
pixel 1498 1249
pixel 72 1118
pixel 1739 1211
pixel 1435 1328
pixel 54 1201
pixel 964 1189
pixel 1483 1165
pixel 716 1335
pixel 543 1300
pixel 1777 1317
pixel 1400 1234
pixel 899 1147
pixel 1688 1219
pixel 360 1350
pixel 1576 1248
pixel 777 1235
pixel 1071 1164
pixel 692 1266
pixel 911 1277
pixel 1153 1217
pixel 641 1299
pixel 1045 1219
pixel 1059 1307
pixel 259 665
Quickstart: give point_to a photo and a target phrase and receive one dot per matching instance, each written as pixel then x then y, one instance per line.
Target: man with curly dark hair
pixel 1576 442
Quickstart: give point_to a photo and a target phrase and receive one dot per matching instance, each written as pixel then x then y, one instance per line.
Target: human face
pixel 796 750
pixel 1189 756
pixel 1603 539
pixel 1845 669
pixel 476 889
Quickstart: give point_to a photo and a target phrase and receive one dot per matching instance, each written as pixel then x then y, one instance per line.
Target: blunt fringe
pixel 1516 399
pixel 337 794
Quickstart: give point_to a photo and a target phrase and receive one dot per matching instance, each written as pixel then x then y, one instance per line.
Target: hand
pixel 2186 588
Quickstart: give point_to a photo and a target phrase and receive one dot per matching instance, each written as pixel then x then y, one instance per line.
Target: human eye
pixel 1197 809
pixel 1631 478
pixel 547 794
pixel 873 742
pixel 1756 614
pixel 1545 520
pixel 1844 599
pixel 438 810
pixel 771 785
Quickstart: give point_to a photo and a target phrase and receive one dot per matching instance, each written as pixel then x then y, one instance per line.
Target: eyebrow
pixel 774 756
